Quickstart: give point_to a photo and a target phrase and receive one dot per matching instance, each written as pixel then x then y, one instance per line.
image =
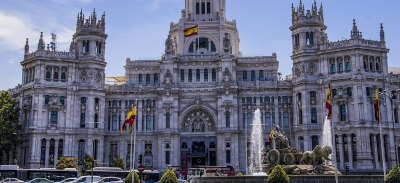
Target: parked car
pixel 182 181
pixel 88 179
pixel 11 180
pixel 112 180
pixel 40 180
pixel 67 180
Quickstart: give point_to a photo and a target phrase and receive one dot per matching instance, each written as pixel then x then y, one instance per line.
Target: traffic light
pixel 140 159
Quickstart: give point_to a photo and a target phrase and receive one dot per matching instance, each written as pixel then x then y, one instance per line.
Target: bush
pixel 169 177
pixel 393 176
pixel 239 174
pixel 278 175
pixel 118 162
pixel 89 162
pixel 128 178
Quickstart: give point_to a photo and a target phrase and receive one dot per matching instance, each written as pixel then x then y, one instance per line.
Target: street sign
pixel 141 168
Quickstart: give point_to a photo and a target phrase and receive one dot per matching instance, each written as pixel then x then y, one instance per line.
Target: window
pixel 197 75
pixel 63 77
pixel 349 91
pixel 202 45
pixel 149 124
pixel 62 100
pixel 341 69
pixel 114 122
pixel 190 75
pixel 301 143
pixel 53 118
pixel 205 75
pixel 167 157
pixel 96 120
pixel 48 76
pixel 214 75
pixel 81 151
pixel 83 100
pixel 313 97
pixel 333 68
pixel 42 151
pixel 334 92
pixel 85 46
pixel 300 116
pixel 244 75
pixel 396 115
pixel 342 112
pixel 261 75
pixel 368 90
pixel 227 119
pixel 314 141
pixel 147 78
pixel 354 146
pixel 365 65
pixel 228 156
pixel 167 120
pixel 46 99
pixel 313 115
pixel 285 120
pixel 98 47
pixel 155 78
pixel 82 121
pixel 140 79
pixel 197 8
pixel 253 75
pixel 182 75
pixel 346 148
pixel 60 148
pixel 203 8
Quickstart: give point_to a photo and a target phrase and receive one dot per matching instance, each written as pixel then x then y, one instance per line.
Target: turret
pixel 307 28
pixel 382 34
pixel 41 44
pixel 89 39
pixel 355 34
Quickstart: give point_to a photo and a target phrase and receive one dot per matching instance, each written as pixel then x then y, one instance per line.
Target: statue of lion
pixel 317 156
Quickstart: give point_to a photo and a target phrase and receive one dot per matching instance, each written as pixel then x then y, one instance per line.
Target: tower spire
pixel 382 34
pixel 41 45
pixel 26 46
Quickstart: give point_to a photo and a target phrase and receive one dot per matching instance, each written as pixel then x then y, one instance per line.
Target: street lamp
pixel 391 97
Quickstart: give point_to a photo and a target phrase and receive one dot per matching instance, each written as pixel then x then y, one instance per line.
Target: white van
pixel 88 179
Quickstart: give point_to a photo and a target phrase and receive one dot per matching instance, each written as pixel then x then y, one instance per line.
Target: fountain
pixel 327 136
pixel 257 144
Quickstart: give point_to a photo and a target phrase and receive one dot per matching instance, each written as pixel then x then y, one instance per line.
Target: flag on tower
pixel 130 118
pixel 328 103
pixel 377 112
pixel 191 31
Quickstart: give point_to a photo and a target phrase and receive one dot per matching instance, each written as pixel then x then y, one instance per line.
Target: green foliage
pixel 393 176
pixel 278 175
pixel 128 178
pixel 118 162
pixel 9 127
pixel 169 177
pixel 66 162
pixel 239 174
pixel 89 162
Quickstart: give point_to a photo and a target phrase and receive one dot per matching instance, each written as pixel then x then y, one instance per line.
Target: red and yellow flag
pixel 328 103
pixel 130 118
pixel 191 31
pixel 377 112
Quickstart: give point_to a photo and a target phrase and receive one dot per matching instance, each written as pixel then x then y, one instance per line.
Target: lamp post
pixel 391 97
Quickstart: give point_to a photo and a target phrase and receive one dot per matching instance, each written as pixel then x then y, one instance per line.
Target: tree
pixel 67 162
pixel 169 177
pixel 278 175
pixel 9 127
pixel 393 176
pixel 89 162
pixel 118 162
pixel 128 178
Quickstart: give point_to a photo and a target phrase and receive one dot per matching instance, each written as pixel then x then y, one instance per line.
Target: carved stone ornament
pixel 168 80
pixel 227 43
pixel 227 78
pixel 168 46
pixel 311 69
pixel 54 100
pixel 98 76
pixel 198 120
pixel 84 75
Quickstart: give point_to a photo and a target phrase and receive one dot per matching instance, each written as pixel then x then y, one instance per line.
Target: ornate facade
pixel 196 103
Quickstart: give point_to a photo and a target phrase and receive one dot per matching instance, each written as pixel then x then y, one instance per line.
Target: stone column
pixel 341 151
pixel 55 152
pixel 374 142
pixel 46 159
pixel 350 148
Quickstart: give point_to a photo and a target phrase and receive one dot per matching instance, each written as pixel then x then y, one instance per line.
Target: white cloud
pixel 155 4
pixel 15 28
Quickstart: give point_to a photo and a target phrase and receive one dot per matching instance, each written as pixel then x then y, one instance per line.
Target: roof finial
pixel 382 34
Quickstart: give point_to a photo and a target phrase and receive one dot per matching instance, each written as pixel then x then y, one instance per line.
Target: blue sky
pixel 138 28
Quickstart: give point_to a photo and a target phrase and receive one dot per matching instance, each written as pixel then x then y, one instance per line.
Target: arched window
pixel 42 151
pixel 227 119
pixel 365 65
pixel 167 120
pixel 214 75
pixel 48 76
pixel 190 75
pixel 182 75
pixel 197 75
pixel 51 151
pixel 314 141
pixel 333 68
pixel 205 75
pixel 202 45
pixel 371 64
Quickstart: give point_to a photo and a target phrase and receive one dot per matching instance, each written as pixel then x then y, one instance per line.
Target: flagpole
pixel 382 149
pixel 134 144
pixel 334 149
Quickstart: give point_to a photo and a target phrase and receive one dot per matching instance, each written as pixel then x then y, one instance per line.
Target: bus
pixel 52 174
pixel 8 171
pixel 148 176
pixel 210 171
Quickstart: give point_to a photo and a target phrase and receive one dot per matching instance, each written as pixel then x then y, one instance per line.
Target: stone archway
pixel 198 120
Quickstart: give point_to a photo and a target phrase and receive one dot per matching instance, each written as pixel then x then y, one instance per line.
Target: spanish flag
pixel 377 112
pixel 191 31
pixel 130 118
pixel 328 103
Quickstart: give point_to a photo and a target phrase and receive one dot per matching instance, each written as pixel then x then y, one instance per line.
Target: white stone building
pixel 196 103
